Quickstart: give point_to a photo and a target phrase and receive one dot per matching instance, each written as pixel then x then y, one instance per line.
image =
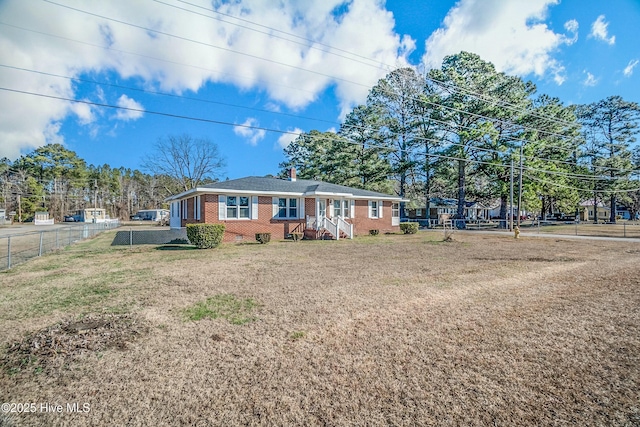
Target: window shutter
pixel 301 208
pixel 380 206
pixel 254 207
pixel 197 212
pixel 274 204
pixel 353 209
pixel 370 209
pixel 222 207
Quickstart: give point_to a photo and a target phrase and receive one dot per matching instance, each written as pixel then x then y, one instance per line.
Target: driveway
pixel 30 227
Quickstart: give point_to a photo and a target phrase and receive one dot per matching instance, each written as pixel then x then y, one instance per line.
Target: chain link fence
pixel 21 247
pixel 624 229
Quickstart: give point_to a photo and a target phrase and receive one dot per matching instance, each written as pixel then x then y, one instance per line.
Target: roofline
pixel 203 190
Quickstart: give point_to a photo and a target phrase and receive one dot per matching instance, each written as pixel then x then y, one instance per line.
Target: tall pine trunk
pixel 612 215
pixel 461 194
pixel 503 211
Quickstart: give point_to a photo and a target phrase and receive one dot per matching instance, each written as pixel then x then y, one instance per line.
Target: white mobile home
pixel 91 215
pixel 152 215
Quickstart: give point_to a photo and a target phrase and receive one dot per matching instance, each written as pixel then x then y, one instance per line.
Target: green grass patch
pixel 235 310
pixel 297 335
pixel 58 298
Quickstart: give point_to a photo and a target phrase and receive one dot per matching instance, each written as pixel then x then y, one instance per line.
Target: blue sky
pixel 285 66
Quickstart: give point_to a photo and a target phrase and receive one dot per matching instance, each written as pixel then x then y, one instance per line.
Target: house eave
pixel 198 191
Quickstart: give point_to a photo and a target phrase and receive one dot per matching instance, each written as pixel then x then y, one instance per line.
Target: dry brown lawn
pixel 385 330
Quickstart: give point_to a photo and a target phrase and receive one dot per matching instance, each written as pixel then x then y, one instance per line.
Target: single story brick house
pixel 317 209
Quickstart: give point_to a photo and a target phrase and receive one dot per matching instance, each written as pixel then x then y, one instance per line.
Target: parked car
pixel 136 218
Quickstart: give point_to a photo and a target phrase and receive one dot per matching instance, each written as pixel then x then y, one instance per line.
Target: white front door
pixel 395 214
pixel 174 220
pixel 322 208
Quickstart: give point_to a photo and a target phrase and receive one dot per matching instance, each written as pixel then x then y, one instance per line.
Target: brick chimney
pixel 292 174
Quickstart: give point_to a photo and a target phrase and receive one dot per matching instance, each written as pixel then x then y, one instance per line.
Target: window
pixel 418 212
pixel 287 208
pixel 373 209
pixel 395 210
pixel 341 208
pixel 238 207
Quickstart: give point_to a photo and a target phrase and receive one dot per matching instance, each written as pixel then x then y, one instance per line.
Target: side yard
pixel 388 329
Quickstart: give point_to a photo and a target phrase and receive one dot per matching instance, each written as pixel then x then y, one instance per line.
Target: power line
pixel 143 56
pixel 308 42
pixel 295 67
pixel 387 66
pixel 220 122
pixel 152 92
pixel 586 190
pixel 140 110
pixel 290 66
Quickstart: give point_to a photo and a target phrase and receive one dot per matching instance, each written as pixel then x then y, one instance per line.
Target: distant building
pixel 151 215
pixel 473 211
pixel 587 211
pixel 91 215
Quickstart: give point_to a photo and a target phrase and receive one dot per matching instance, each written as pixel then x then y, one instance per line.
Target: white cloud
pixel 590 80
pixel 599 31
pixel 511 35
pixel 225 53
pixel 628 70
pixel 246 131
pixel 572 27
pixel 131 109
pixel 287 138
pixel 84 113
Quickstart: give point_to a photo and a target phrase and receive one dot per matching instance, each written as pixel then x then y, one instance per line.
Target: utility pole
pixel 19 209
pixel 520 185
pixel 511 199
pixel 95 194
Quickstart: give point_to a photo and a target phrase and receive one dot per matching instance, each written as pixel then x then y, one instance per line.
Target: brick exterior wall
pixel 362 223
pixel 245 230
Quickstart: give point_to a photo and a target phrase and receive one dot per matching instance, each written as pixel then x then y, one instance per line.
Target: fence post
pixel 40 246
pixel 57 245
pixel 625 229
pixel 576 227
pixel 130 238
pixel 9 253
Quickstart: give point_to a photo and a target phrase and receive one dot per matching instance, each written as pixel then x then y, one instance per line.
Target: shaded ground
pixel 401 330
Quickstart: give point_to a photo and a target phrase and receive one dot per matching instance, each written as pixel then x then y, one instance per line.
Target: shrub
pixel 374 232
pixel 263 237
pixel 409 227
pixel 205 236
pixel 296 236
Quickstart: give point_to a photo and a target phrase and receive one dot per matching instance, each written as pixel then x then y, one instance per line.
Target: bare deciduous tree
pixel 190 161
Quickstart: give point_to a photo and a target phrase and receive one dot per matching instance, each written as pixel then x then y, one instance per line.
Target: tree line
pixel 55 179
pixel 461 130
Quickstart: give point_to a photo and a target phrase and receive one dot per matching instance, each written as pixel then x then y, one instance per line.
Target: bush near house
pixel 374 232
pixel 296 237
pixel 205 236
pixel 409 227
pixel 263 237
